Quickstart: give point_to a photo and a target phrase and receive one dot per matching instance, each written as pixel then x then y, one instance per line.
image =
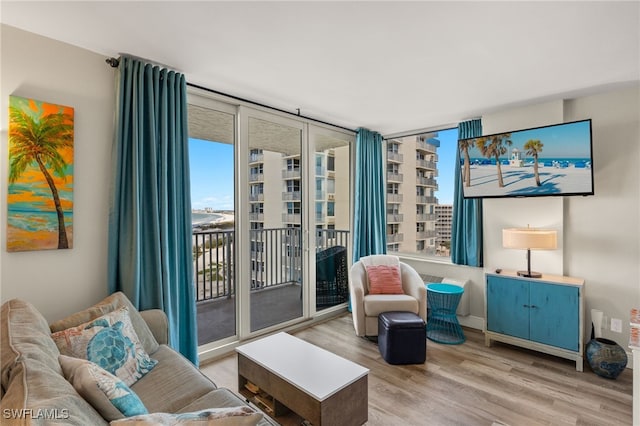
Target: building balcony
pixel 394 198
pixel 256 177
pixel 291 174
pixel 255 158
pixel 256 217
pixel 394 177
pixel 291 196
pixel 291 218
pixel 256 197
pixel 425 217
pixel 424 164
pixel 394 157
pixel 395 238
pixel 274 282
pixel 427 147
pixel 422 235
pixel 425 181
pixel 423 199
pixel 394 218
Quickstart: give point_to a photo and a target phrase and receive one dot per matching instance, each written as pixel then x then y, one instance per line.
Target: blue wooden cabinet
pixel 544 314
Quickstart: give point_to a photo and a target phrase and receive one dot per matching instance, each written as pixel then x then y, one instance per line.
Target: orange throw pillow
pixel 384 279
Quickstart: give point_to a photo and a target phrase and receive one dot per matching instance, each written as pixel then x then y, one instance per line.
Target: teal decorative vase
pixel 606 358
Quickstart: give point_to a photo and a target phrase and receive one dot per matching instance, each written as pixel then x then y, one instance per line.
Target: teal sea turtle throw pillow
pixel 110 342
pixel 104 391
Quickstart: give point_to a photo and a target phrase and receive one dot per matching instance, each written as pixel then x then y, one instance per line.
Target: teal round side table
pixel 442 322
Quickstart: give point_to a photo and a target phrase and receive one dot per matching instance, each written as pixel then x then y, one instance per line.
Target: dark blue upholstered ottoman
pixel 402 338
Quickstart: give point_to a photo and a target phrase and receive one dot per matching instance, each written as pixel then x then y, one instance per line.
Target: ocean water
pixel 198 218
pixel 541 160
pixel 31 220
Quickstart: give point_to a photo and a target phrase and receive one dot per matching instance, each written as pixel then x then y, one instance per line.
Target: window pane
pixel 275 219
pixel 420 171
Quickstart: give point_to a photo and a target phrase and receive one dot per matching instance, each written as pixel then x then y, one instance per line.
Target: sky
pixel 446 164
pixel 212 176
pixel 211 165
pixel 570 140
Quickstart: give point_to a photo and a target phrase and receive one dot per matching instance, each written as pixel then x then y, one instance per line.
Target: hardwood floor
pixel 468 384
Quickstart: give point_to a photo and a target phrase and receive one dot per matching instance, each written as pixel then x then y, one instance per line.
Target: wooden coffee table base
pixel 347 406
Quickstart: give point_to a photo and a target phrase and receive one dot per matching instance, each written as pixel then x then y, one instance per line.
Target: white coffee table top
pixel 311 369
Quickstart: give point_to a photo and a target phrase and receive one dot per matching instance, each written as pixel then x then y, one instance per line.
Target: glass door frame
pixel 243 222
pixel 203 100
pixel 310 129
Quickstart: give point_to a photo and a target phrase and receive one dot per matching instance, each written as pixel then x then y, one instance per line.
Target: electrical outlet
pixel 616 325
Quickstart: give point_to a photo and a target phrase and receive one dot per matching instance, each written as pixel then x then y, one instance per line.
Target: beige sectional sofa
pixel 35 391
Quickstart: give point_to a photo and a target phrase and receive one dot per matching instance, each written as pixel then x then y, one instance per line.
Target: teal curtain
pixel 466 227
pixel 150 249
pixel 370 221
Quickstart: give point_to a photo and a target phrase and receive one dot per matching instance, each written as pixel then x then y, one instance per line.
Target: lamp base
pixel 529 274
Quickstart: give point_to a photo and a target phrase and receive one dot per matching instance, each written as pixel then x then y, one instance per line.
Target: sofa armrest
pixel 157 321
pixel 414 286
pixel 356 293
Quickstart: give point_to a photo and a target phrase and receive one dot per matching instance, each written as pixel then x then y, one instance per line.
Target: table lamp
pixel 529 239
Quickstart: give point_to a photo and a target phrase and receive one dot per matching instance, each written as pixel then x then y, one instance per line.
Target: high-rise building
pixel 444 216
pixel 276 208
pixel 411 186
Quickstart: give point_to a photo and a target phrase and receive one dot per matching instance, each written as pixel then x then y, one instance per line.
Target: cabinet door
pixel 507 306
pixel 555 315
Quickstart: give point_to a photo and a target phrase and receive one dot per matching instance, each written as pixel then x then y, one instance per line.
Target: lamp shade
pixel 530 238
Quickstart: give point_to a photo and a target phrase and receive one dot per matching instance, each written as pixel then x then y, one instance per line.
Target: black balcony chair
pixel 331 277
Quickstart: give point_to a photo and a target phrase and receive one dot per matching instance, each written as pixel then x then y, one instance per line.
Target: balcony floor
pixel 217 320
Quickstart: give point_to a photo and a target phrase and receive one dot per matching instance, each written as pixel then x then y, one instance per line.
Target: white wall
pixel 602 233
pixel 59 282
pixel 599 236
pixel 520 212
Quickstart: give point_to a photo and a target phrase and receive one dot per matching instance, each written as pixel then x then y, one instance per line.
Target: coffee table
pixel 319 386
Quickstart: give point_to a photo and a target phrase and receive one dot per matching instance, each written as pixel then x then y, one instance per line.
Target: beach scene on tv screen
pixel 552 160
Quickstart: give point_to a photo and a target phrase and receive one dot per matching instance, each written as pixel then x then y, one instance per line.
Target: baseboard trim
pixel 472 322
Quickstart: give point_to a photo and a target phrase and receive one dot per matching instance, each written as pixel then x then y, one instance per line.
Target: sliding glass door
pixel 212 142
pixel 271 199
pixel 274 282
pixel 331 201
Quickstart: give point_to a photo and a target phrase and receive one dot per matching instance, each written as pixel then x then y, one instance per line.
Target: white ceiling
pixel 387 66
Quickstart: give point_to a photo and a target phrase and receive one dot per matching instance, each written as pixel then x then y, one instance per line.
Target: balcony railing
pixel 424 164
pixel 394 217
pixel 276 258
pixel 394 177
pixel 394 198
pixel 424 199
pixel 394 156
pixel 291 174
pixel 395 238
pixel 291 196
pixel 425 217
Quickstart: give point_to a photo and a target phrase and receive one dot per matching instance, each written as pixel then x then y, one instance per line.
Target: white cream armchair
pixel 366 307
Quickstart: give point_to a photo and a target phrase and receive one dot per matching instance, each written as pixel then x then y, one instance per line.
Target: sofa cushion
pixel 34 387
pixel 233 416
pixel 173 384
pixel 109 304
pixel 111 342
pixel 375 304
pixel 105 392
pixel 220 397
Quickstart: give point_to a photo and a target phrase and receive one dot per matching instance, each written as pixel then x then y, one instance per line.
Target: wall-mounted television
pixel 542 161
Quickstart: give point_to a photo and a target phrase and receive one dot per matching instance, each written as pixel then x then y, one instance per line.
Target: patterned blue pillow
pixel 110 342
pixel 105 392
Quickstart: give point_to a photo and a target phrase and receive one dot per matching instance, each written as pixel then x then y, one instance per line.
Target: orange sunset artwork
pixel 40 196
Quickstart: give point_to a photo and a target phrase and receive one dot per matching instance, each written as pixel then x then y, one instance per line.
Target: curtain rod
pixel 237 98
pixel 114 62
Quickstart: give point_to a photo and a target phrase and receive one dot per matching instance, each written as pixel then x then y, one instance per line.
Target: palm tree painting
pixel 40 196
pixel 533 147
pixel 495 146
